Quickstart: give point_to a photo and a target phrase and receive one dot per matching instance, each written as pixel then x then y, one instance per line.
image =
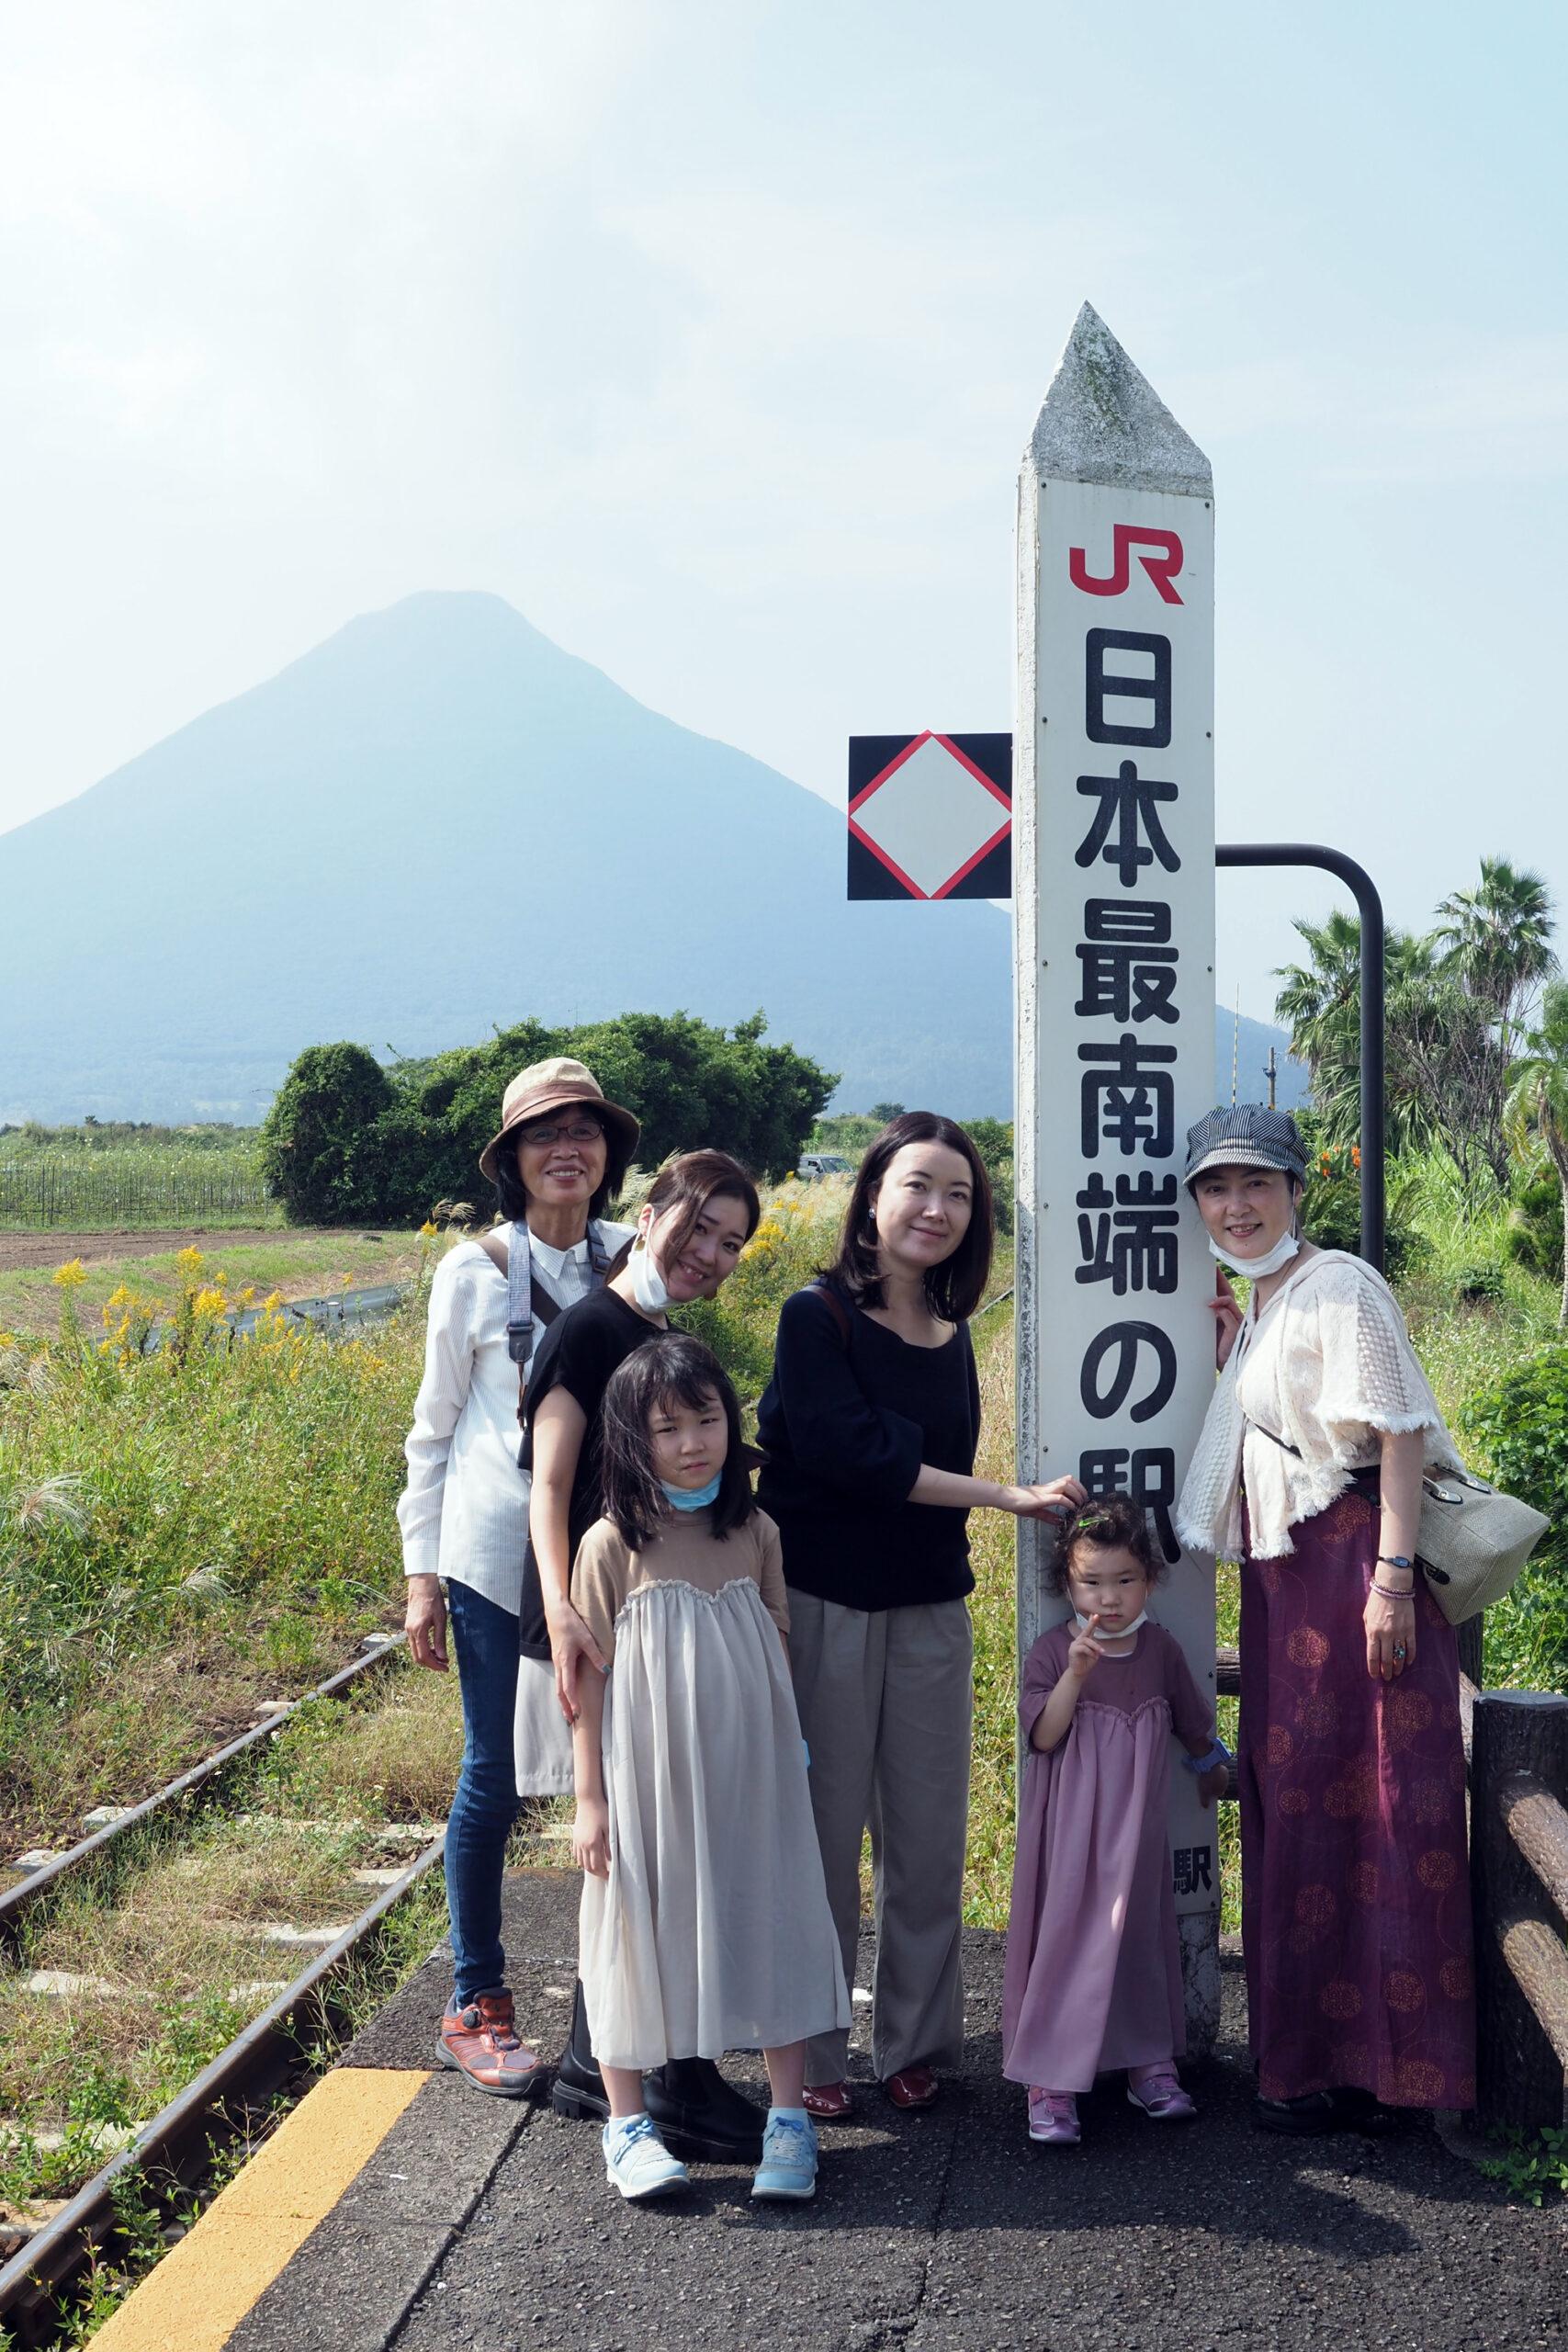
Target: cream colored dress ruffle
pixel 712 1931
pixel 1328 1366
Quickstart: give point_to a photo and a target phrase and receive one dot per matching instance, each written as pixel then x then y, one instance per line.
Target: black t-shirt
pixel 578 1353
pixel 847 1421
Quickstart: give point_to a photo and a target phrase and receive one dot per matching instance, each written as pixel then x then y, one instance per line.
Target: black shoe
pixel 700 2117
pixel 579 2090
pixel 1318 2112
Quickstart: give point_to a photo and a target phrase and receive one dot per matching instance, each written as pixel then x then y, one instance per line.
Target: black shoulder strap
pixel 538 1306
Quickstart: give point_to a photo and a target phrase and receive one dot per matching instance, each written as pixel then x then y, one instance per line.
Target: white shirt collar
pixel 555 1262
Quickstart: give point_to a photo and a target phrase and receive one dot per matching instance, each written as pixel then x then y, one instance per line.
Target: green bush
pixel 1526 1632
pixel 992 1139
pixel 1331 1206
pixel 349 1142
pixel 1518 1425
pixel 1534 1235
pixel 1518 1428
pixel 322 1152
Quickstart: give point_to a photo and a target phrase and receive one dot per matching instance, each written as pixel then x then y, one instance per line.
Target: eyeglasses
pixel 576 1131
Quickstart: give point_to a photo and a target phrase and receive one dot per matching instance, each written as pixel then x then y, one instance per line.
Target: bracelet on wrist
pixel 1394 1593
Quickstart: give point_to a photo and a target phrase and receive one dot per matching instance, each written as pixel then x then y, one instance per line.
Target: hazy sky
pixel 709 331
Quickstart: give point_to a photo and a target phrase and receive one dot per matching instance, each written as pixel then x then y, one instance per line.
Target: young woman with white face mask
pixel 1355 1904
pixel 701 1211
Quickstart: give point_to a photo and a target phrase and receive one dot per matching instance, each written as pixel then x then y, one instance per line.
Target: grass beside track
pixel 296 1265
pixel 183 1534
pixel 168 1942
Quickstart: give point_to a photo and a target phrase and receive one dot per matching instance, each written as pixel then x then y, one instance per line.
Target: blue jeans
pixel 484 1638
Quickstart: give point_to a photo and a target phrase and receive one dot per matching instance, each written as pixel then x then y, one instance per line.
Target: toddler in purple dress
pixel 1093 1976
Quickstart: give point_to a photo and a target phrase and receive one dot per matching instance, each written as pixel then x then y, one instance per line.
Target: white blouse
pixel 1329 1367
pixel 464 1512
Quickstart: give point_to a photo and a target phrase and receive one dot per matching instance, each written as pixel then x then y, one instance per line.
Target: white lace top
pixel 1328 1366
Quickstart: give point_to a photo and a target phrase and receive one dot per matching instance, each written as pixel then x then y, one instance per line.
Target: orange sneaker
pixel 479 2040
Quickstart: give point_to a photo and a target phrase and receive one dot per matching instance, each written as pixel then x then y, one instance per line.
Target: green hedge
pixel 348 1141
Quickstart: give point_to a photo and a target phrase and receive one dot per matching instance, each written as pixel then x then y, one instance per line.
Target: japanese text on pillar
pixel 1129 1014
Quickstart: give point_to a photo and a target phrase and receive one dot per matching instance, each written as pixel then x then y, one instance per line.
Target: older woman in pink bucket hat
pixel 559 1156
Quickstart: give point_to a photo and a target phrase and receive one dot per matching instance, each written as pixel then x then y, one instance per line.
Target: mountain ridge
pixel 429 825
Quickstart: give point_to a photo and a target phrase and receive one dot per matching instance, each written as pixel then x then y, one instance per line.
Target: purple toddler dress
pixel 1093 1976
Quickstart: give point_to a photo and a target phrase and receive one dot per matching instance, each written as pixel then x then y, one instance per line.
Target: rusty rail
pixel 177 2147
pixel 42 1883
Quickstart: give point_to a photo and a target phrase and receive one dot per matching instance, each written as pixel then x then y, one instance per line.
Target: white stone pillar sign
pixel 1114 904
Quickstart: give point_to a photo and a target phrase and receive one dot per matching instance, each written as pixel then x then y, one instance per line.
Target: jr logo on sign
pixel 1161 568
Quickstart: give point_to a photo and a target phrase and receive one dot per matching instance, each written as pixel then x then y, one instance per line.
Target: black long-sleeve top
pixel 846 1422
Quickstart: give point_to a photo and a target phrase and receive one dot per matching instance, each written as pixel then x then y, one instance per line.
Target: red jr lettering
pixel 1161 568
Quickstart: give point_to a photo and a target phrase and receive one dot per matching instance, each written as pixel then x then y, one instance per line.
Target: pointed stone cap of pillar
pixel 1103 422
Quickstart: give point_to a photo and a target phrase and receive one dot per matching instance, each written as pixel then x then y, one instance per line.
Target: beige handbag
pixel 1472 1541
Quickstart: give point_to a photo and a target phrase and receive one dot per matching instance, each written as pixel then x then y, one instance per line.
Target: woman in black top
pixel 870 1424
pixel 699 1215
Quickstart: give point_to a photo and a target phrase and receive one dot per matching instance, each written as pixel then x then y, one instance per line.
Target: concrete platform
pixel 478 2224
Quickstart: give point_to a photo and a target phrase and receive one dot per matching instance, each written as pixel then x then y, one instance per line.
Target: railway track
pixel 45 1882
pixel 171 2154
pixel 177 2149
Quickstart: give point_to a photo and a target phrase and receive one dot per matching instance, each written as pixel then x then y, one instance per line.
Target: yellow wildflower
pixel 209 1302
pixel 190 1262
pixel 429 1230
pixel 70 1276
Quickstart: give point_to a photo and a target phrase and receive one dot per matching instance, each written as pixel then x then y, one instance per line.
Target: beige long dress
pixel 712 1931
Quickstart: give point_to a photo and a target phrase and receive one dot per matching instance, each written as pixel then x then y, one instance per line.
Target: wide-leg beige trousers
pixel 886 1705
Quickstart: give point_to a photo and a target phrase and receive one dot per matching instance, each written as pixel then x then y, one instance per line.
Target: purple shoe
pixel 1157 2091
pixel 1053 2117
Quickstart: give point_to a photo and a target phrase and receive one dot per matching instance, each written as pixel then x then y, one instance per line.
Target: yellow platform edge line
pixel 204 2286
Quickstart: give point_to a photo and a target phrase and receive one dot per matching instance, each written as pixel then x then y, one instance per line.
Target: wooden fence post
pixel 1518 1843
pixel 1471 1640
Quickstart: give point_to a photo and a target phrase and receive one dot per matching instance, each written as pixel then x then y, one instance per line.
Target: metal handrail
pixel 1334 861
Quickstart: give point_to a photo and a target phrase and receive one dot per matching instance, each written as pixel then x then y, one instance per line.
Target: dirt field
pixel 18 1251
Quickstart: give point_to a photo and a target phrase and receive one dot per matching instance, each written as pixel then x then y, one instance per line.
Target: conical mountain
pixel 435 822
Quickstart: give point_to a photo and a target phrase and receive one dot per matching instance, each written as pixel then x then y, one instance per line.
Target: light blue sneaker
pixel 637 2162
pixel 788 2168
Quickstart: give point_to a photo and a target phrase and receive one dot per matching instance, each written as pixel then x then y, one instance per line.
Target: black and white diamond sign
pixel 931 817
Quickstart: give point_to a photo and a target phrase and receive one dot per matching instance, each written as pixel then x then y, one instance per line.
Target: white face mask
pixel 1112 1633
pixel 647 1283
pixel 1284 1249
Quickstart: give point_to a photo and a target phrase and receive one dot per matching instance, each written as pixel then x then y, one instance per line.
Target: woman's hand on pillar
pixel 1226 1312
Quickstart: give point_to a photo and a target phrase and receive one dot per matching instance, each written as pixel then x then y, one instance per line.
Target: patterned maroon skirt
pixel 1355 1869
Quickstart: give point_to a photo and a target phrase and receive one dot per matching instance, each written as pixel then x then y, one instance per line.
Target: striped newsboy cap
pixel 1246 1134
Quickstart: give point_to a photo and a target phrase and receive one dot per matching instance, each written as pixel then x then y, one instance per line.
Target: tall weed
pixel 193 1516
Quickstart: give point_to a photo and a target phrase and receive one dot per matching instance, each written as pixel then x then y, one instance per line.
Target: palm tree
pixel 1321 1002
pixel 1321 999
pixel 1537 1100
pixel 1495 941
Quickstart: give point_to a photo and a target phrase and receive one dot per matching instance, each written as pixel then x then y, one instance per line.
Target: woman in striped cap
pixel 1355 1882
